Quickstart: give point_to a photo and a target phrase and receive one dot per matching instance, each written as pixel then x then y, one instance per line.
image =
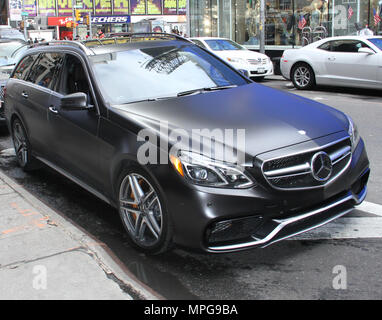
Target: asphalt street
pixel 305 267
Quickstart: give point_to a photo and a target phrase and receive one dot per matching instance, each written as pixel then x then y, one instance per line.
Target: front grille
pixel 257 61
pixel 295 171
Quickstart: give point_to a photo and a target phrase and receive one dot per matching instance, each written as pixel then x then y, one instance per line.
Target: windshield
pixel 377 42
pixel 221 45
pixel 11 34
pixel 159 72
pixel 7 49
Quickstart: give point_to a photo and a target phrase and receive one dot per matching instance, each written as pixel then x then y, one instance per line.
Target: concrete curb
pixel 100 252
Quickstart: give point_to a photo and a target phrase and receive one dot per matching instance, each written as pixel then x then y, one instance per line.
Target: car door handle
pixel 53 109
pixel 24 95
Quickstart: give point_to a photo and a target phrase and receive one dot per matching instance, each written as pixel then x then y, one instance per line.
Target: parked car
pixel 253 64
pixel 10 51
pixel 95 111
pixel 7 32
pixel 349 61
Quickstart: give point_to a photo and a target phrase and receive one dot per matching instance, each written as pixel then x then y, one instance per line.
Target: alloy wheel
pixel 302 76
pixel 141 210
pixel 20 143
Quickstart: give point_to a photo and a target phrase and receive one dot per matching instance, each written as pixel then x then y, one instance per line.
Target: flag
pixel 377 18
pixel 301 22
pixel 350 12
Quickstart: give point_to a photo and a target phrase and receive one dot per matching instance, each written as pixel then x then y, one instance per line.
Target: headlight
pixel 204 171
pixel 236 60
pixel 353 133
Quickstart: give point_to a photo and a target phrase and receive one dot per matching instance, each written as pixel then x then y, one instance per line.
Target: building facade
pixel 288 23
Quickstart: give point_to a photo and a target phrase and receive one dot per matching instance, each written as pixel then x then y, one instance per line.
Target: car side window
pixel 325 46
pixel 74 79
pixel 45 70
pixel 350 46
pixel 23 68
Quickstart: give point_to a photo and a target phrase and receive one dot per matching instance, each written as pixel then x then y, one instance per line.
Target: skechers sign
pixel 110 19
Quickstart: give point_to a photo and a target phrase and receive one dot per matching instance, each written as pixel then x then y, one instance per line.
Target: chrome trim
pixel 289 170
pixel 334 155
pixel 282 223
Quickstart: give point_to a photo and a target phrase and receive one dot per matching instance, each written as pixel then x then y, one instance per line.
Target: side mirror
pixel 75 101
pixel 366 50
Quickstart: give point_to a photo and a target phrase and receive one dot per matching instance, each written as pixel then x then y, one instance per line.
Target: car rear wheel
pixel 23 148
pixel 303 77
pixel 143 213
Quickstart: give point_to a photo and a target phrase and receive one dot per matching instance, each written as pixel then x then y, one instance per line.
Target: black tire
pixel 149 243
pixel 303 77
pixel 23 148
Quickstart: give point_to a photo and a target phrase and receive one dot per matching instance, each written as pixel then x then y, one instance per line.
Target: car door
pixel 74 141
pixel 32 97
pixel 346 66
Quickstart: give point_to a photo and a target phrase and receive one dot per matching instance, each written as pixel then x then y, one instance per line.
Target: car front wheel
pixel 23 148
pixel 303 77
pixel 143 213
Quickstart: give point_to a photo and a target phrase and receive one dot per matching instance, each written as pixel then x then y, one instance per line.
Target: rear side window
pixel 44 72
pixel 24 67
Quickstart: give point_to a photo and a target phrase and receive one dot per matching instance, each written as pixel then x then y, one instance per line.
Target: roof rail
pixel 111 36
pixel 131 35
pixel 77 44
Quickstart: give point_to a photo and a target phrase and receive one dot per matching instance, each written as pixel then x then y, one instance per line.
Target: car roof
pixel 108 45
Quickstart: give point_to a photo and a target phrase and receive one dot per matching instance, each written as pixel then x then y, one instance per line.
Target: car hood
pixel 243 54
pixel 271 118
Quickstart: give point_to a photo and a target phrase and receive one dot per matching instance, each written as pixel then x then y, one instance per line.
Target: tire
pixel 143 212
pixel 23 148
pixel 303 77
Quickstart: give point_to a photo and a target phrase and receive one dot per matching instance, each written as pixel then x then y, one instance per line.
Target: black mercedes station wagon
pixel 141 120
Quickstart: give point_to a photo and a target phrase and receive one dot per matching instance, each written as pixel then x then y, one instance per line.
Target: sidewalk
pixel 44 256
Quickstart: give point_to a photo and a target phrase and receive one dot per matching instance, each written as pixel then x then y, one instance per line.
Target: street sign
pixel 25 14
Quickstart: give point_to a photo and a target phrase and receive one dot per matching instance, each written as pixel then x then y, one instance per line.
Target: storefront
pixel 105 13
pixel 289 23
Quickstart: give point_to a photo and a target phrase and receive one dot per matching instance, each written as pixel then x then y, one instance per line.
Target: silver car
pixel 349 61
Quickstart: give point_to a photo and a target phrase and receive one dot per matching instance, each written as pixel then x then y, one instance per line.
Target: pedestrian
pixel 35 40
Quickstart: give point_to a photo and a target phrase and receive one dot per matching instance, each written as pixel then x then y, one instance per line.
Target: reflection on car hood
pixel 272 119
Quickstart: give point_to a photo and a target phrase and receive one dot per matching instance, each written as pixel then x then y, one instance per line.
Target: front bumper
pixel 253 71
pixel 202 216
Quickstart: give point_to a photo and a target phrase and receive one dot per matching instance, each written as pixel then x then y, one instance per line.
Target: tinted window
pixel 377 42
pixel 220 45
pixel 347 45
pixel 45 69
pixel 325 46
pixel 159 72
pixel 73 78
pixel 24 67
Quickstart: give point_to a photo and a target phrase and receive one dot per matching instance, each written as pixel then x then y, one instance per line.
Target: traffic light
pixel 22 23
pixel 77 15
pixel 87 20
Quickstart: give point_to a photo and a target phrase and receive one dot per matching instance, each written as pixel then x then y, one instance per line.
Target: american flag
pixel 350 12
pixel 377 18
pixel 301 22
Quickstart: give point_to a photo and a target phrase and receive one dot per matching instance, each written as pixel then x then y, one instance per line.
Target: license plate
pixel 260 70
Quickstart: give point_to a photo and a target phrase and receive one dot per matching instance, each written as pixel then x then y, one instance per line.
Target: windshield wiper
pixel 201 90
